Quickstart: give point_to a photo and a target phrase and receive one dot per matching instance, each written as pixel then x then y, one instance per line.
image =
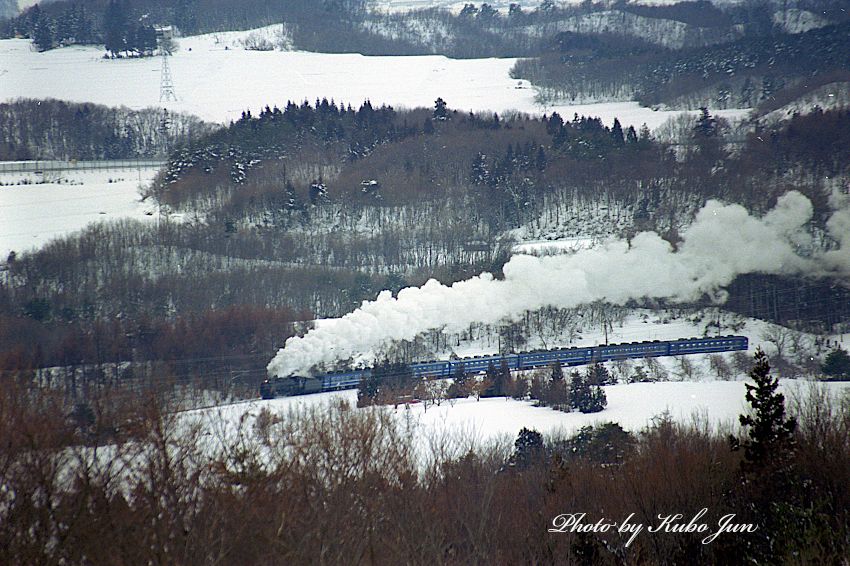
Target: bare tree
pixel 720 367
pixel 686 369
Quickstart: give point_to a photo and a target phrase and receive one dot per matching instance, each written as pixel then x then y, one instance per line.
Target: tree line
pixel 278 203
pixel 55 129
pixel 345 483
pixel 747 72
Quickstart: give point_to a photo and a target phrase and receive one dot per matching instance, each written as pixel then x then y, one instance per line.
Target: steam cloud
pixel 723 242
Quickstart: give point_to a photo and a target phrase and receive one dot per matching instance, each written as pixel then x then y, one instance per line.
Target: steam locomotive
pixel 350 379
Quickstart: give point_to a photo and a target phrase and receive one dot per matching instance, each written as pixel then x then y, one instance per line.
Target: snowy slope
pixel 634 407
pixel 32 214
pixel 217 82
pixel 501 5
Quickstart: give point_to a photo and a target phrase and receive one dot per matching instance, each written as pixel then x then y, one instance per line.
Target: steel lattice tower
pixel 166 85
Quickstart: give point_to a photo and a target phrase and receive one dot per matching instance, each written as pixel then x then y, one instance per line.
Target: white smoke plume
pixel 723 242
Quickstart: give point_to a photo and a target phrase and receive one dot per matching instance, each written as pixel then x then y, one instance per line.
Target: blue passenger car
pixel 350 379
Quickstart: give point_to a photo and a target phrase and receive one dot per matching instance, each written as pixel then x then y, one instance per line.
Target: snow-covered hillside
pixel 699 395
pixel 216 79
pixel 35 208
pixel 668 33
pixel 633 406
pixel 501 5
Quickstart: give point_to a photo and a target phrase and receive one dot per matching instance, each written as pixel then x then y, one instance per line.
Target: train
pixel 436 369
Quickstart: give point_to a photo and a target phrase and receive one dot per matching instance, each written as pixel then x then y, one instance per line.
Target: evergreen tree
pixel 504 382
pixel 291 202
pixel 116 27
pixel 33 17
pixel 605 444
pixel 617 134
pixel 538 389
pixel 487 13
pixel 318 191
pixel 144 39
pixel 579 391
pixel 396 377
pixel 586 396
pixel 515 12
pixel 42 34
pixel 185 16
pixel 528 449
pixel 837 364
pixel 774 490
pixel 460 383
pixel 440 110
pixel 706 126
pixel 67 24
pixel 770 434
pixel 468 11
pixel 598 374
pixel 558 396
pixel 706 137
pixel 368 390
pixel 598 400
pixel 386 382
pixel 540 161
pixel 492 375
pixel 546 7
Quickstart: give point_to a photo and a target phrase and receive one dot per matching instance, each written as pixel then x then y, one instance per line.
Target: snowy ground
pixel 634 325
pixel 551 247
pixel 35 208
pixel 634 406
pixel 501 5
pixel 216 79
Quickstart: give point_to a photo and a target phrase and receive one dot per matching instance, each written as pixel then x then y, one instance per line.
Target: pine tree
pixel 504 383
pixel 185 16
pixel 540 161
pixel 586 396
pixel 67 24
pixel 617 134
pixel 496 379
pixel 770 434
pixel 597 374
pixel 116 27
pixel 528 449
pixel 558 396
pixel 774 491
pixel 318 190
pixel 144 39
pixel 42 33
pixel 579 391
pixel 598 400
pixel 368 390
pixel 440 110
pixel 460 383
pixel 83 27
pixel 706 126
pixel 837 364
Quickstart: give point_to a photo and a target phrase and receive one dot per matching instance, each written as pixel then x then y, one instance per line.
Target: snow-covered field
pixel 55 204
pixel 550 247
pixel 634 406
pixel 216 79
pixel 714 402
